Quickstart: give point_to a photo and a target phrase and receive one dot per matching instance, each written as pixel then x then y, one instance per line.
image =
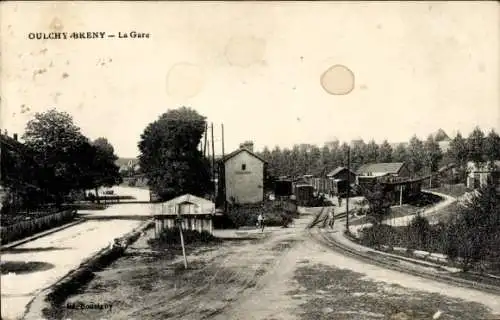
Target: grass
pixel 246 215
pixel 330 293
pixel 454 190
pixel 172 238
pixel 411 208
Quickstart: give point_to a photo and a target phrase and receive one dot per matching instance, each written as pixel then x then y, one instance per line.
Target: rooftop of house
pixel 387 167
pixel 238 151
pixel 337 171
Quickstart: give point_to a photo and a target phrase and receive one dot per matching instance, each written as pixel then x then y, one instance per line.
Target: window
pixel 243 167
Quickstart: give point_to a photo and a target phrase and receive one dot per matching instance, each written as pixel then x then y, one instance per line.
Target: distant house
pixel 477 176
pixel 394 169
pixel 338 179
pixel 128 164
pixel 443 140
pixel 242 176
pixel 195 213
pixel 369 174
pixel 342 173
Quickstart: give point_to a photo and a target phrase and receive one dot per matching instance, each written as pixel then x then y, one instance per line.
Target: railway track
pixel 392 262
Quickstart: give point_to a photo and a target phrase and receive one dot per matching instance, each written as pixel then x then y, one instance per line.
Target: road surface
pixel 51 257
pixel 406 220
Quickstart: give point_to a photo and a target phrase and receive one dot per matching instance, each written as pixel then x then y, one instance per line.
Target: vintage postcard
pixel 250 160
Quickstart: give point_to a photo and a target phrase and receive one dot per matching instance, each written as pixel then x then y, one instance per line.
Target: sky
pixel 259 68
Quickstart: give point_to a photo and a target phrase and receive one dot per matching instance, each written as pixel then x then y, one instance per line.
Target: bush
pixel 473 235
pixel 377 235
pixel 172 237
pixel 419 232
pixel 246 215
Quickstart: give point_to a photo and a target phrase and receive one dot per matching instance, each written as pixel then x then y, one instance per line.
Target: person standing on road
pixel 331 218
pixel 260 221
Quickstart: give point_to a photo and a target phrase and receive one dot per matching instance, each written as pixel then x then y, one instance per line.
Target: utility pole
pixel 222 127
pixel 348 188
pixel 179 219
pixel 223 181
pixel 213 161
pixel 205 144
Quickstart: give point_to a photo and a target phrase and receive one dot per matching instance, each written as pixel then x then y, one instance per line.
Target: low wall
pixel 28 228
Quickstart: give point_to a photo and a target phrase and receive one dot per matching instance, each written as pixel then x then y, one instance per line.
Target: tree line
pixel 55 162
pixel 422 156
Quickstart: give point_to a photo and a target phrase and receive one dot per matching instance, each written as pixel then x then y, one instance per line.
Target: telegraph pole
pixel 348 188
pixel 213 161
pixel 179 221
pixel 222 127
pixel 205 144
pixel 223 180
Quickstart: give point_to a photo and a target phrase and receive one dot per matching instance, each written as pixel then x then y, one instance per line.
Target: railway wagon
pixel 304 194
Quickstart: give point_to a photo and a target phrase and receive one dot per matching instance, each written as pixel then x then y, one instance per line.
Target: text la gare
pixel 133 34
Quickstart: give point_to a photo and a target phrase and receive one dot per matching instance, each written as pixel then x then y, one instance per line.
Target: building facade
pixel 191 212
pixel 243 177
pixel 478 176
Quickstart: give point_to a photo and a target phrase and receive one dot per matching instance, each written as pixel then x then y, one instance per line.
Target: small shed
pixel 194 213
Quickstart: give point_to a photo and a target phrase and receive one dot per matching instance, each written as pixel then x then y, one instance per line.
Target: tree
pixel 315 164
pixel 294 161
pixel 287 163
pixel 416 155
pixel 358 154
pixel 385 152
pixel 169 156
pixel 475 147
pixel 458 150
pixel 379 202
pixel 341 155
pixel 473 234
pixel 492 146
pixel 103 144
pixel 400 154
pixel 104 171
pixel 459 154
pixel 372 152
pixel 57 144
pixel 276 165
pixel 433 154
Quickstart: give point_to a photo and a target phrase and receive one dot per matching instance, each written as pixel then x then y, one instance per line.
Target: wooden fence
pixel 30 227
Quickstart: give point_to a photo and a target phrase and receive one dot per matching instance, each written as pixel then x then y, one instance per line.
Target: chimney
pixel 15 136
pixel 248 145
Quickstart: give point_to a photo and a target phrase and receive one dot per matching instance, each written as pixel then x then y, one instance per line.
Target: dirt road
pixel 278 274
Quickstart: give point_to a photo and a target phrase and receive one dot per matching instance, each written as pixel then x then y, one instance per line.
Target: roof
pixel 238 151
pixel 387 167
pixel 205 206
pixel 338 170
pixel 441 135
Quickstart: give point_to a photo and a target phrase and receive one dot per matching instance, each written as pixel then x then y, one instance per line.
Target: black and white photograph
pixel 250 160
